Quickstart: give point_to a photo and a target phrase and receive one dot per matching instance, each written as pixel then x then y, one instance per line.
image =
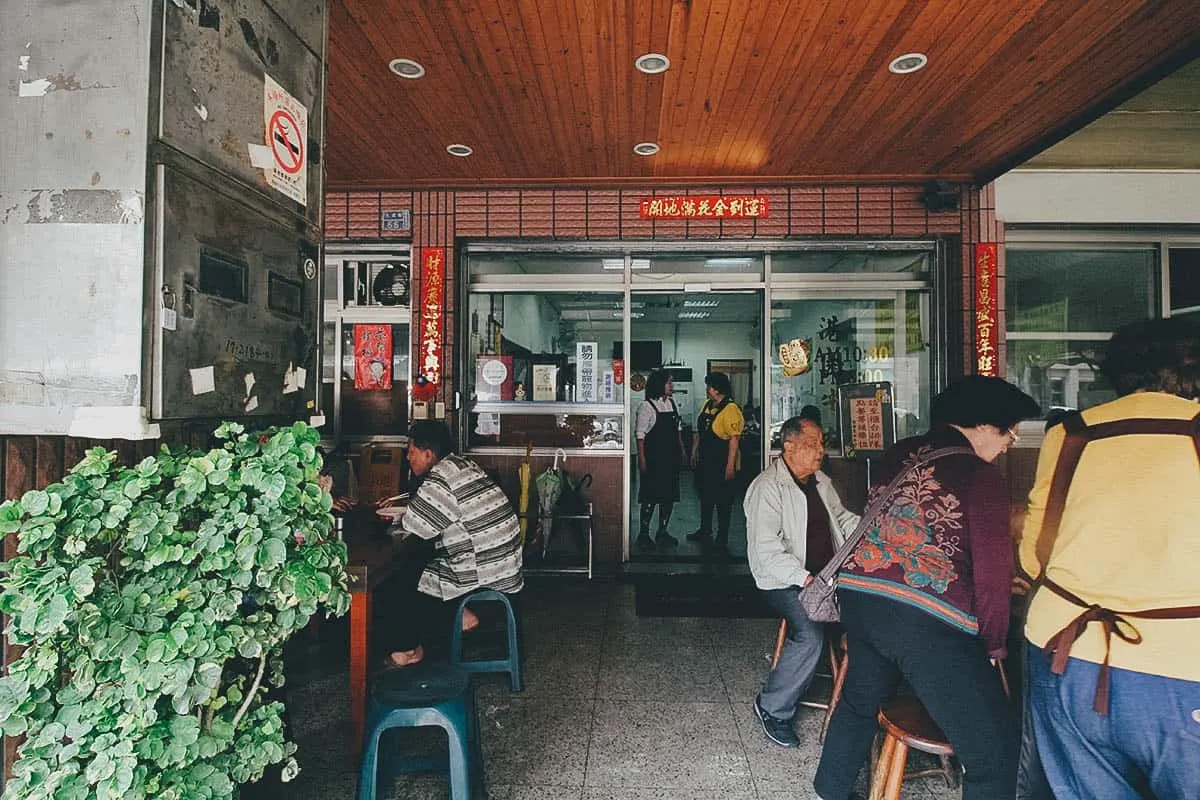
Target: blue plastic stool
pixel 512 662
pixel 419 696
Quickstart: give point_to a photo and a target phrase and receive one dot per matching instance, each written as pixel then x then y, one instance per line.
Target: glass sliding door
pixel 684 335
pixel 824 339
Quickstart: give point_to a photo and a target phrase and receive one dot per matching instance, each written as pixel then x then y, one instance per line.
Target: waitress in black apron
pixel 660 452
pixel 715 458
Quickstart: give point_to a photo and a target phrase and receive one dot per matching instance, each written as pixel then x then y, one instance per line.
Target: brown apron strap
pixel 1064 470
pixel 1058 647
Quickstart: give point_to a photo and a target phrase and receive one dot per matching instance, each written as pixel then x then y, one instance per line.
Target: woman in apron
pixel 715 458
pixel 660 452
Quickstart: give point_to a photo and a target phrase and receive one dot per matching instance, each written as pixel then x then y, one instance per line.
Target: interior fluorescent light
pixel 619 263
pixel 693 315
pixel 781 313
pixel 738 261
pixel 701 303
pixel 632 314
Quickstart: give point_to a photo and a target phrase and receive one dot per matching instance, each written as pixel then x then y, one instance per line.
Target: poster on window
pixel 586 374
pixel 372 357
pixel 868 418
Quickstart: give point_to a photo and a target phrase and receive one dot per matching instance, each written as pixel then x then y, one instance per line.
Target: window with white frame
pixel 1063 302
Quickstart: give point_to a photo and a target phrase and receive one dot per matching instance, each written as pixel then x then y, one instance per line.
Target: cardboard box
pixel 380 472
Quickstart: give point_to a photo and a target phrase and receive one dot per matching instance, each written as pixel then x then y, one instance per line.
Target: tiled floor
pixel 615 707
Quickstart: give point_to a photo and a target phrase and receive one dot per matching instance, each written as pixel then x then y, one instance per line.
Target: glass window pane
pixel 375 412
pixel 698 267
pixel 897 264
pixel 1059 374
pixel 850 341
pixel 529 343
pixel 518 264
pixel 1078 290
pixel 1185 279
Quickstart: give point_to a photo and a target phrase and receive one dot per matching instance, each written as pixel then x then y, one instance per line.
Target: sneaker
pixel 664 539
pixel 699 536
pixel 645 542
pixel 777 730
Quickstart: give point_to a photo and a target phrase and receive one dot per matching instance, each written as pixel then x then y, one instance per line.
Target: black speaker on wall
pixel 941 196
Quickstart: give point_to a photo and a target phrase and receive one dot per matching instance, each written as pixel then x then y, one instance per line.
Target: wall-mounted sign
pixel 545 382
pixel 706 207
pixel 286 121
pixel 586 374
pixel 394 221
pixel 867 417
pixel 987 310
pixel 431 312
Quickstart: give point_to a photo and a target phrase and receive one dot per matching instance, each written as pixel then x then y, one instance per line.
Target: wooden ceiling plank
pixel 854 35
pixel 1089 36
pixel 769 87
pixel 976 29
pixel 721 109
pixel 715 45
pixel 735 149
pixel 689 24
pixel 1131 57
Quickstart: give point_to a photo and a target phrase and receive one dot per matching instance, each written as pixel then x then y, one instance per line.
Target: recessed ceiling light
pixel 460 150
pixel 909 62
pixel 406 68
pixel 652 63
pixel 645 148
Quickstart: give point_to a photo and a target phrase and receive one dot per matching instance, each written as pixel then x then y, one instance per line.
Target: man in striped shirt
pixel 460 532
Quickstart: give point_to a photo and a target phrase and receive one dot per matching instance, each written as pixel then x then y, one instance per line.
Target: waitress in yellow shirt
pixel 715 459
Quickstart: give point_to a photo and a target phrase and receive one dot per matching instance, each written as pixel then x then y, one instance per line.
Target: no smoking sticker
pixel 286 123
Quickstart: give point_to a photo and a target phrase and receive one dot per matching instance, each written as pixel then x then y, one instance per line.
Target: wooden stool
pixel 837 670
pixel 907 725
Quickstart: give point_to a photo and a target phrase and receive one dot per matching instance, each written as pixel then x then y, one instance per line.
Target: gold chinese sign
pixel 433 298
pixel 707 207
pixel 987 310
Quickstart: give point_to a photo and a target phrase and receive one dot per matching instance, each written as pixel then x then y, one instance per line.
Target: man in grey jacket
pixel 794 524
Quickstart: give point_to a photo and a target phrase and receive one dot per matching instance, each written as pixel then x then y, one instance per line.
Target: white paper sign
pixel 586 374
pixel 286 121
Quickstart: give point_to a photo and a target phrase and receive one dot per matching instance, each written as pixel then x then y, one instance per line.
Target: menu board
pixel 868 418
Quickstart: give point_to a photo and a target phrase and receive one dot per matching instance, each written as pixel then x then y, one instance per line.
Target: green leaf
pixel 35 503
pixel 272 554
pixel 53 615
pixel 81 582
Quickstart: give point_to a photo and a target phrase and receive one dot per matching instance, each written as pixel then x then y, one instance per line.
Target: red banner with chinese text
pixel 372 357
pixel 433 300
pixel 987 310
pixel 706 207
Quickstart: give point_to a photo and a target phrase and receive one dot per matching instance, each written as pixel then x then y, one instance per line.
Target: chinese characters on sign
pixel 585 372
pixel 987 310
pixel 432 300
pixel 708 207
pixel 867 419
pixel 372 357
pixel 866 424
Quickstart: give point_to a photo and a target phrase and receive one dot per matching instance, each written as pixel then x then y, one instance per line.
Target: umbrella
pixel 549 488
pixel 525 472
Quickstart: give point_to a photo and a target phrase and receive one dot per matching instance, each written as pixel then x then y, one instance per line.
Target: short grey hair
pixel 794 426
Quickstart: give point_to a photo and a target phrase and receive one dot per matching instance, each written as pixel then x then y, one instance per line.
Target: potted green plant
pixel 153 602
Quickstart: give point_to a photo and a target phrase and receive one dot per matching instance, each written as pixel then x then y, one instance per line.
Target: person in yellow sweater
pixel 1114 627
pixel 716 459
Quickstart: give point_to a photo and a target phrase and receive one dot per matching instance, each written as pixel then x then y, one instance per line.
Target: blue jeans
pixel 1147 746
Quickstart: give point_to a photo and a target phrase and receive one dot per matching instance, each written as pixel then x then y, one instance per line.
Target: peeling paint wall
pixel 73 139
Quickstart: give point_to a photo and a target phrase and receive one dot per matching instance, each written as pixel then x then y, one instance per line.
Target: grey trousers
pixel 786 684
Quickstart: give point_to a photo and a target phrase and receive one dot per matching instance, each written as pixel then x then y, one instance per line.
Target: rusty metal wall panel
pixel 216 57
pixel 246 309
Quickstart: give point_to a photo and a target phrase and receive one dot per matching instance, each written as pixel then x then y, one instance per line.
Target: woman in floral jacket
pixel 925 596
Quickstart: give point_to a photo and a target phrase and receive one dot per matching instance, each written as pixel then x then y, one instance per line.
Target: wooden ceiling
pixel 546 92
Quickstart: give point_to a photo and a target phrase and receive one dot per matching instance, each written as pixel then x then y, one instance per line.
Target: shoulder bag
pixel 819 597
